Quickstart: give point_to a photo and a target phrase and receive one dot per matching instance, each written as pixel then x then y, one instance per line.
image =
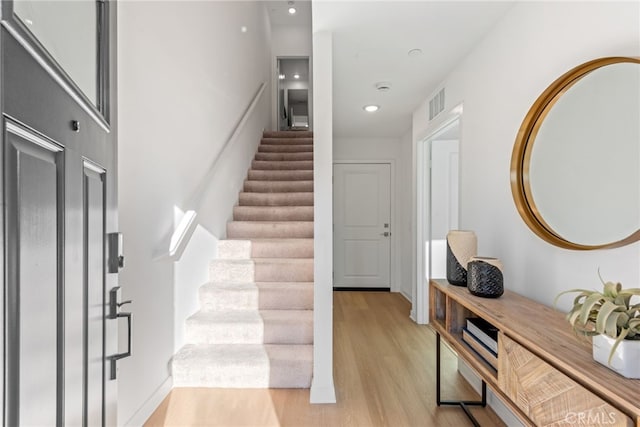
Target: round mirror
pixel 575 169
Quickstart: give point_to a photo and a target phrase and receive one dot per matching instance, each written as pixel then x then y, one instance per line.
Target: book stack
pixel 482 337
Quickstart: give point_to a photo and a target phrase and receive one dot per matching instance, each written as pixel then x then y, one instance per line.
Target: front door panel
pixel 33 171
pixel 94 219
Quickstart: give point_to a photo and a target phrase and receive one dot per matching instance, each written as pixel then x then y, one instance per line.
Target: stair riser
pixel 275 199
pixel 273 175
pixel 248 230
pixel 261 213
pixel 279 272
pixel 226 333
pixel 294 296
pixel 278 186
pixel 283 165
pixel 286 141
pixel 265 371
pixel 210 375
pixel 288 148
pixel 265 296
pixel 225 299
pixel 287 134
pixel 287 248
pixel 300 332
pixel 276 157
pixel 228 271
pixel 234 249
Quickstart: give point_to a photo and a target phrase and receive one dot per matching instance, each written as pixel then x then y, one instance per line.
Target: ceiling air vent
pixel 436 104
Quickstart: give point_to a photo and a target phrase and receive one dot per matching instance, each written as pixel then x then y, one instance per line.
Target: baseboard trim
pixel 151 404
pixel 356 289
pixel 322 394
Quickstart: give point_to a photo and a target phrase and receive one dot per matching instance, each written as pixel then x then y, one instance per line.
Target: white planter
pixel 626 359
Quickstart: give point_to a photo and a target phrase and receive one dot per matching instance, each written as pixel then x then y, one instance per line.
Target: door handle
pixel 386 234
pixel 114 305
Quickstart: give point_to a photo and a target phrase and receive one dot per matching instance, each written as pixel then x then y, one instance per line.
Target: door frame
pixel 394 278
pixel 420 303
pixel 275 88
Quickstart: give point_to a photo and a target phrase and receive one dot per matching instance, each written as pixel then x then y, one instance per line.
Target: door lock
pixel 115 255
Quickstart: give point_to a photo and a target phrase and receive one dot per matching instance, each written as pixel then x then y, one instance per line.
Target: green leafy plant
pixel 609 312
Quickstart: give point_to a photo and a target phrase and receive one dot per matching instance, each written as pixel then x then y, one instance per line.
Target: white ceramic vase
pixel 626 359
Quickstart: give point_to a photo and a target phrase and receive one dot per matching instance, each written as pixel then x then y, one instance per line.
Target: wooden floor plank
pixel 384 373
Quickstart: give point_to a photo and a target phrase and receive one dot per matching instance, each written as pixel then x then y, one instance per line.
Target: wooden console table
pixel 546 374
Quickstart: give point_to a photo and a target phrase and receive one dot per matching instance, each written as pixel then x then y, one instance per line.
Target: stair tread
pixel 282 240
pixel 260 207
pixel 271 222
pixel 232 261
pixel 287 261
pixel 266 181
pixel 251 285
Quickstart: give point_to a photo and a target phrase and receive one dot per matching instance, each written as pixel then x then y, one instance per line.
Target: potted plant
pixel 612 318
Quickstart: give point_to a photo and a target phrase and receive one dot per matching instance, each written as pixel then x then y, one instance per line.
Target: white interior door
pixel 362 225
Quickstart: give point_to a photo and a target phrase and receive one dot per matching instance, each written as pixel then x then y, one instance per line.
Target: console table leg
pixel 464 404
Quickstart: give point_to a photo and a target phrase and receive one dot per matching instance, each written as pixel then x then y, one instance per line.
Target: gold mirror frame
pixel 521 157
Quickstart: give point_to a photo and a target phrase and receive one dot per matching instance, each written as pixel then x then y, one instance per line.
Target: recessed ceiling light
pixel 281 76
pixel 371 108
pixel 296 76
pixel 414 52
pixel 292 11
pixel 243 29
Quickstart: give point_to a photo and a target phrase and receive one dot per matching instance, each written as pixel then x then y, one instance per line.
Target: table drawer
pixel 546 395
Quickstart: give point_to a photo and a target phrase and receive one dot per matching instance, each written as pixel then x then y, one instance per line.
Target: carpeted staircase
pixel 255 324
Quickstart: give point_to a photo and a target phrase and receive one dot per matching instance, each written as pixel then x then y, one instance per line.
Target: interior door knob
pixel 385 234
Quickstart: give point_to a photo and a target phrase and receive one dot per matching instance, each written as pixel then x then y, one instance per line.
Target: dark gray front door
pixel 59 203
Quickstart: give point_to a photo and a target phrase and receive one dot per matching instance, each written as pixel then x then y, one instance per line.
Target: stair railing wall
pixel 211 203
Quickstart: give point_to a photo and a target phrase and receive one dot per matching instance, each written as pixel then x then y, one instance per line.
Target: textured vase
pixel 461 245
pixel 484 277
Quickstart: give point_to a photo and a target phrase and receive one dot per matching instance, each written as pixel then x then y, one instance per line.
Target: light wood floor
pixel 384 373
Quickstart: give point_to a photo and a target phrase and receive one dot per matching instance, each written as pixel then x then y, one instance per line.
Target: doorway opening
pixel 438 205
pixel 293 109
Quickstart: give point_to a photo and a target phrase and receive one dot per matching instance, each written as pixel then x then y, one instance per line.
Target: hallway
pixel 384 372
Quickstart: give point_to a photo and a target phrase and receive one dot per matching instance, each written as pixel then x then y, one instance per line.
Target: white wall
pixel 398 152
pixel 294 41
pixel 186 75
pixel 535 43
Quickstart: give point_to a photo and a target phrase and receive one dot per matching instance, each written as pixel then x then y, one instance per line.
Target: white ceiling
pixel 371 41
pixel 279 13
